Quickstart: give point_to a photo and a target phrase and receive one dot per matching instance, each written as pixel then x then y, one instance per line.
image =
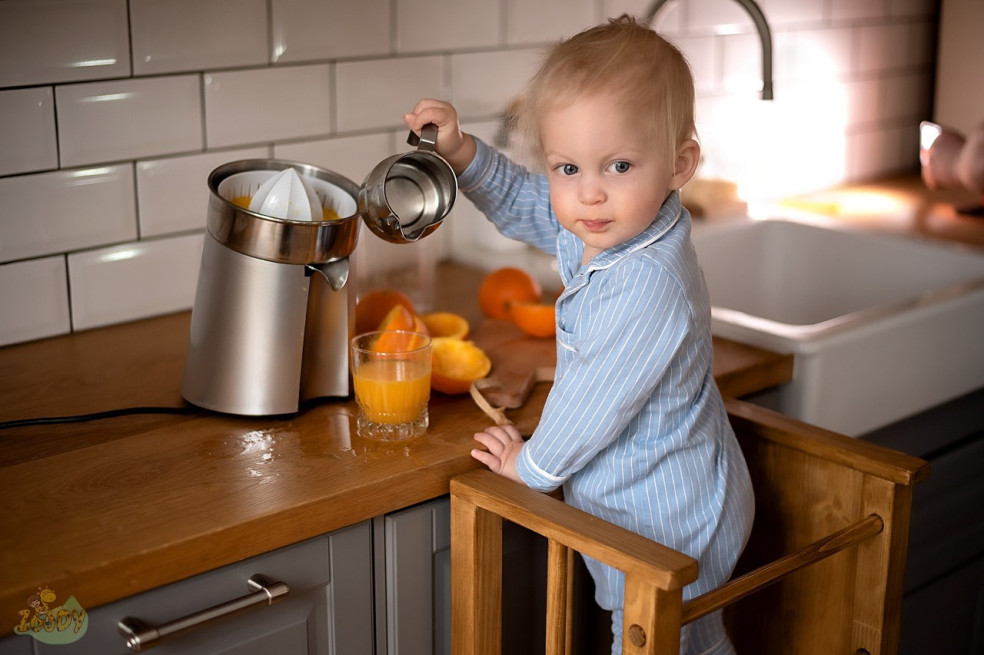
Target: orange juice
pixel 392 391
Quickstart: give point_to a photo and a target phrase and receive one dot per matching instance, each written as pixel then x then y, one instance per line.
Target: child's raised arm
pixel 455 146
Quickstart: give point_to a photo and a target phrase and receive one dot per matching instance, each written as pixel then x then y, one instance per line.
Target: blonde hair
pixel 623 57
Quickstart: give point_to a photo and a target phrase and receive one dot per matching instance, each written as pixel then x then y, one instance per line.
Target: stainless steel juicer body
pixel 274 307
pixel 275 303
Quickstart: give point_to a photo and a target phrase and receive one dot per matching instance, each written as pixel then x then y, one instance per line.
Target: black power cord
pixel 81 418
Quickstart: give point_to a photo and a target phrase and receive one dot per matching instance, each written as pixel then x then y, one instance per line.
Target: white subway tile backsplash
pixel 468 227
pixel 185 35
pixel 546 21
pixel 127 119
pixel 863 100
pixel 34 297
pixel 869 153
pixel 922 49
pixel 741 63
pixel 66 210
pixel 855 9
pixel 428 25
pixel 668 19
pixel 719 16
pixel 27 130
pixel 701 53
pixel 353 157
pixel 172 193
pixel 62 41
pixel 907 97
pixel 483 83
pixel 784 51
pixel 304 30
pixel 781 13
pixel 913 7
pixel 883 47
pixel 267 104
pixel 824 53
pixel 908 138
pixel 326 82
pixel 134 280
pixel 376 94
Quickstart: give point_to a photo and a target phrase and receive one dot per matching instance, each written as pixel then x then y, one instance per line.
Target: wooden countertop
pixel 901 205
pixel 105 509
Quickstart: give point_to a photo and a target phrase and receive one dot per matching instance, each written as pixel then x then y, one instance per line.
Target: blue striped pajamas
pixel 634 427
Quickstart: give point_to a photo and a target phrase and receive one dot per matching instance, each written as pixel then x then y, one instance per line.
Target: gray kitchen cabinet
pixel 382 587
pixel 946 615
pixel 413 591
pixel 16 645
pixel 328 609
pixel 943 601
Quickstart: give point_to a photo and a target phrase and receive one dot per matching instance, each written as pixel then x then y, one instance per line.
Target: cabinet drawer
pixel 946 527
pixel 327 610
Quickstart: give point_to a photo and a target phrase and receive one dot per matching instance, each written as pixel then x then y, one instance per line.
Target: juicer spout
pixel 336 273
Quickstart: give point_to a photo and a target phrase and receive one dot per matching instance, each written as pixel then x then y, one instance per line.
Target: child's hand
pixel 452 144
pixel 504 444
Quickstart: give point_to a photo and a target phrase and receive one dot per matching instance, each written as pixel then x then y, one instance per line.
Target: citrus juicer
pixel 275 303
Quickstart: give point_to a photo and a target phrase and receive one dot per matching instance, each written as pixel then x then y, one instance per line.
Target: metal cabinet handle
pixel 140 635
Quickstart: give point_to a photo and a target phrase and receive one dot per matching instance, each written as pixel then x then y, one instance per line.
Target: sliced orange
pixel 455 364
pixel 399 327
pixel 401 318
pixel 535 319
pixel 398 341
pixel 446 324
pixel 372 308
pixel 505 286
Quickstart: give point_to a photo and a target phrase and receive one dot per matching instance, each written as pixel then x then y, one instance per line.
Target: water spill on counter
pixel 266 454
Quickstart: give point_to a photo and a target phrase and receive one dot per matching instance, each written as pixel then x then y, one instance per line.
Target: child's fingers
pixel 493 442
pixel 427 111
pixel 489 460
pixel 427 103
pixel 504 433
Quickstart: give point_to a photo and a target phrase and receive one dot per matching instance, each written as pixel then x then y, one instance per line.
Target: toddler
pixel 634 427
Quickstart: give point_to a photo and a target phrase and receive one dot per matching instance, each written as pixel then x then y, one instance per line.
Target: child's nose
pixel 590 190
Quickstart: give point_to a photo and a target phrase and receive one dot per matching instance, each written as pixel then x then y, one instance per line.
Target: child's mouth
pixel 595 224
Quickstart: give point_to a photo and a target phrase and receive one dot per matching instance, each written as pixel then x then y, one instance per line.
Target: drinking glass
pixel 391 372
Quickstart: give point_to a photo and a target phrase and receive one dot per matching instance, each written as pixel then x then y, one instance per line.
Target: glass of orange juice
pixel 391 372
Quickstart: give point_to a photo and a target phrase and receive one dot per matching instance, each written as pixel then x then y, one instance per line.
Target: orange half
pixel 446 324
pixel 455 364
pixel 535 319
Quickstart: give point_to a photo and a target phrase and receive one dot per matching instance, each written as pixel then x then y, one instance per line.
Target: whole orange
pixel 504 286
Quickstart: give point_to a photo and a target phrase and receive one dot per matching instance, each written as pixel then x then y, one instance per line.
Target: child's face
pixel 607 179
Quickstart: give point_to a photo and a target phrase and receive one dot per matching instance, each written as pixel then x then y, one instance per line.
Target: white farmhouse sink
pixel 880 326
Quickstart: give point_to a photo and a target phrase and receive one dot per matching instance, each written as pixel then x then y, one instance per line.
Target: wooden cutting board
pixel 515 358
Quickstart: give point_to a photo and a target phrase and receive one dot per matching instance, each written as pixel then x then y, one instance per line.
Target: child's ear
pixel 685 165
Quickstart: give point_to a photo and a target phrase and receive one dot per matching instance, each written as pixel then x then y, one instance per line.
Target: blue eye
pixel 619 167
pixel 567 169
